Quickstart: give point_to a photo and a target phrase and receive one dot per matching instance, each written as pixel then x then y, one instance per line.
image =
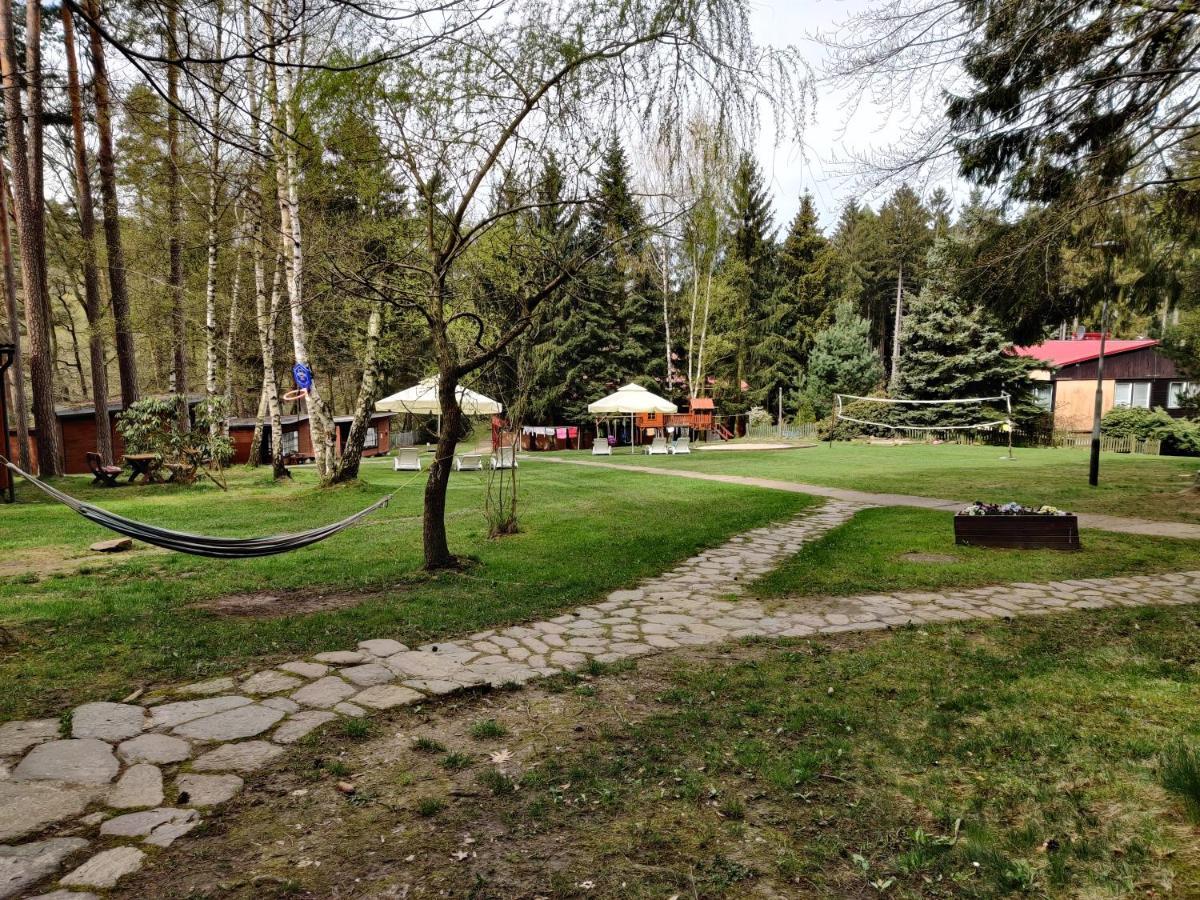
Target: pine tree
pixel 952 349
pixel 607 333
pixel 749 269
pixel 797 308
pixel 842 361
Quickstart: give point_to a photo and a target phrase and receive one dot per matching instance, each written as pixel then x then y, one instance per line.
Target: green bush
pixel 152 425
pixel 1180 437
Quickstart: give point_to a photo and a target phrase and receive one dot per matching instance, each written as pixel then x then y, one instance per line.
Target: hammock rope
pixel 200 544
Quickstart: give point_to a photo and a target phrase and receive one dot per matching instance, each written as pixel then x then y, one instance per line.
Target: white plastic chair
pixel 469 462
pixel 408 459
pixel 504 458
pixel 681 445
pixel 658 447
pixel 601 447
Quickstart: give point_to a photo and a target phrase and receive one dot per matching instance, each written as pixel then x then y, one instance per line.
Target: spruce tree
pixel 798 306
pixel 842 361
pixel 605 332
pixel 748 269
pixel 952 348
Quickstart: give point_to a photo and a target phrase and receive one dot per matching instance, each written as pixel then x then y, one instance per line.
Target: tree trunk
pixel 20 406
pixel 347 466
pixel 287 186
pixel 235 296
pixel 93 307
pixel 214 212
pixel 255 456
pixel 666 289
pixel 105 161
pixel 895 379
pixel 175 219
pixel 437 548
pixel 29 208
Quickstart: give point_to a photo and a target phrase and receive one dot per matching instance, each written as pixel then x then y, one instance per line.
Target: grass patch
pixel 99 634
pixel 1179 773
pixel 866 556
pixel 456 762
pixel 358 729
pixel 487 729
pixel 1151 487
pixel 428 745
pixel 430 806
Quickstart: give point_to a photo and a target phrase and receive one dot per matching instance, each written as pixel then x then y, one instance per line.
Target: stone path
pixel 1122 524
pixel 125 780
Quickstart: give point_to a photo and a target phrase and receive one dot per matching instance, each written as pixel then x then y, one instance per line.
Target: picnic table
pixel 145 465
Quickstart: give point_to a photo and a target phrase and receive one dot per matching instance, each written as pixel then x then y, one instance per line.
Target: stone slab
pixel 387 696
pixel 231 725
pixel 270 682
pixel 341 657
pixel 207 790
pixel 282 703
pixel 418 664
pixel 140 786
pixel 107 721
pixel 305 669
pixel 324 693
pixel 300 725
pixel 28 807
pixel 169 715
pixel 244 757
pixel 208 688
pixel 27 864
pixel 17 737
pixel 368 675
pixel 381 647
pixel 75 761
pixel 141 824
pixel 105 869
pixel 159 749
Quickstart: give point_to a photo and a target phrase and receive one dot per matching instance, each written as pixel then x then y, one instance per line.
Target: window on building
pixel 291 443
pixel 1133 393
pixel 1043 394
pixel 1182 393
pixel 371 441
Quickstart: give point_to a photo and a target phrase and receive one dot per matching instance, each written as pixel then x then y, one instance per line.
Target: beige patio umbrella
pixel 629 401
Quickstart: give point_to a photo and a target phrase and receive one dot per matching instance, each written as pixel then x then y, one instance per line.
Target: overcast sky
pixel 843 127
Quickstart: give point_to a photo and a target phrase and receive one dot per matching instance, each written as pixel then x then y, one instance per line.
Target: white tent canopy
pixel 422 398
pixel 633 398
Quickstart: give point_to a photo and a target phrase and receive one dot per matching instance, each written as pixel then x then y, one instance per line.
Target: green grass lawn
pixel 97 631
pixel 866 555
pixel 1046 757
pixel 1152 487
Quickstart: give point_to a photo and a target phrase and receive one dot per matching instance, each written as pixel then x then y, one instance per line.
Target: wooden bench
pixel 102 474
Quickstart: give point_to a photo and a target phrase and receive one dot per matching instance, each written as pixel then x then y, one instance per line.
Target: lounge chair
pixel 408 459
pixel 681 445
pixel 469 462
pixel 601 447
pixel 658 447
pixel 102 474
pixel 504 458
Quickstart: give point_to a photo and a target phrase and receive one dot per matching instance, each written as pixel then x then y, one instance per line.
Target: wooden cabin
pixel 297 437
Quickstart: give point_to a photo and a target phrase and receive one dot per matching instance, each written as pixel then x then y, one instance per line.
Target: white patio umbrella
pixel 422 399
pixel 629 401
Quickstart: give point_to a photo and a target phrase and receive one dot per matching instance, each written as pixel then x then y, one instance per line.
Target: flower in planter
pixel 1012 508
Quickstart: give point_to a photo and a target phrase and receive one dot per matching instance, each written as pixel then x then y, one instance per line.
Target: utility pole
pixel 1109 249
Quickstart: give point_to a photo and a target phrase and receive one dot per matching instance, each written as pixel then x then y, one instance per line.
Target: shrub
pixel 1180 437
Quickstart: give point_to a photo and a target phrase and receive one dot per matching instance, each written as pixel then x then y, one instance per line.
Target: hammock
pixel 198 544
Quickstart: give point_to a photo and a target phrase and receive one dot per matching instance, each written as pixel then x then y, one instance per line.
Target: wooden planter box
pixel 1029 532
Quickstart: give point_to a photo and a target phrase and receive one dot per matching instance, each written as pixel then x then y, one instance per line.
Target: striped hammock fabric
pixel 198 544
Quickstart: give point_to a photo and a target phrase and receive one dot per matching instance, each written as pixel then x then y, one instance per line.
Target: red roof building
pixel 1136 374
